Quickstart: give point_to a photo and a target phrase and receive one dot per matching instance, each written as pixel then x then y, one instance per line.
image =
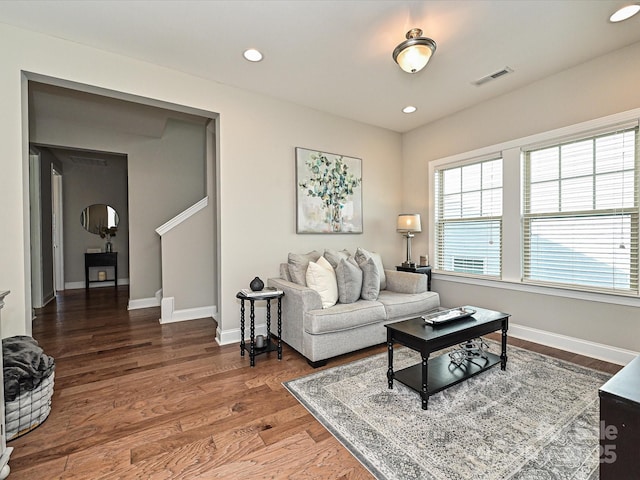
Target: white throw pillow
pixel 322 278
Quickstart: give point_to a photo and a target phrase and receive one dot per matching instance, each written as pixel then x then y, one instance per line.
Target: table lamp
pixel 409 223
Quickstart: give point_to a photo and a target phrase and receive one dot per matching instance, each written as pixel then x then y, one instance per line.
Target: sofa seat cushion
pixel 403 305
pixel 343 317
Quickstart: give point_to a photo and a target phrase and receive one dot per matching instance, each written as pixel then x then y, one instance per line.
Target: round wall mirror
pixel 99 218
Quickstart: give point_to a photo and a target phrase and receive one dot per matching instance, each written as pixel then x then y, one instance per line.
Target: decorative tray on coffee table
pixel 440 317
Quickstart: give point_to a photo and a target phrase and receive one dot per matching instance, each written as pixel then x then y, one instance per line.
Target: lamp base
pixel 409 264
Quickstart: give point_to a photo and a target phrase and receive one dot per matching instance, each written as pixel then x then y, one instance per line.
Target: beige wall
pixel 85 185
pixel 601 87
pixel 257 136
pixel 189 279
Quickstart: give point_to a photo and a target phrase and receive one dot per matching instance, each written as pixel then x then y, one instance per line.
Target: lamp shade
pixel 414 53
pixel 409 222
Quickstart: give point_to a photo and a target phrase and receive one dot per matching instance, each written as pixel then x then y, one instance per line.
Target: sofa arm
pixel 406 282
pixel 306 298
pixel 297 300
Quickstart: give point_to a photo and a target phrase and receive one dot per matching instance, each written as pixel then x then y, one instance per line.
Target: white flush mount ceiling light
pixel 409 109
pixel 414 53
pixel 252 55
pixel 624 13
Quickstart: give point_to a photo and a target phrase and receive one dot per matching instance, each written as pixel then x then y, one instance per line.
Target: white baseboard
pixel 607 353
pixel 600 351
pixel 143 303
pixel 77 285
pixel 226 337
pixel 168 313
pixel 48 299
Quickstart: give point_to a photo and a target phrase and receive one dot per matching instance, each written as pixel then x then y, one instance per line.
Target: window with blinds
pixel 468 218
pixel 580 213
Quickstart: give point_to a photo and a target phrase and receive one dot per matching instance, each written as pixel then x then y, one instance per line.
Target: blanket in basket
pixel 25 365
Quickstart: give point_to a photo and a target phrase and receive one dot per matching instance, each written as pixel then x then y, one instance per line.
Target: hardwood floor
pixel 134 399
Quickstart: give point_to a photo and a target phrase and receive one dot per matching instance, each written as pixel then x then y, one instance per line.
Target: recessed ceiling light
pixel 252 55
pixel 624 13
pixel 409 109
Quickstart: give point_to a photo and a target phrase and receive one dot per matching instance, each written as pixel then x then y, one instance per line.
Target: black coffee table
pixel 434 375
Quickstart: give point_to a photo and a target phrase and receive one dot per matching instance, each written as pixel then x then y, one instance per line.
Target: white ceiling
pixel 335 55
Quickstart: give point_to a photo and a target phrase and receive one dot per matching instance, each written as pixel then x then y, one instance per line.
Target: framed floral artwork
pixel 328 192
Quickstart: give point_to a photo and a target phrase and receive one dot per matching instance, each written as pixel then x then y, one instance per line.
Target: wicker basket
pixel 29 409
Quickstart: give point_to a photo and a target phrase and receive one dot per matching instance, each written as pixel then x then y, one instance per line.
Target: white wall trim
pixel 78 285
pixel 143 303
pixel 48 299
pixel 599 351
pixel 182 216
pixel 629 301
pixel 168 313
pixel 226 337
pixel 35 231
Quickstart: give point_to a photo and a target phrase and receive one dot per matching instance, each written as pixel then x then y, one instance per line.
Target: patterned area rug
pixel 538 420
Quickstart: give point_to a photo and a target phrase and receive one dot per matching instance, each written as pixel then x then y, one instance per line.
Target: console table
pixel 426 270
pixel 105 259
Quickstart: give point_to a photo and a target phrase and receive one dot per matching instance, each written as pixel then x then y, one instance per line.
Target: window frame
pixel 512 211
pixel 441 220
pixel 561 214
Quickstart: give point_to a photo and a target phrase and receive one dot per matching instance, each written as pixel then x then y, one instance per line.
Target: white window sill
pixel 631 301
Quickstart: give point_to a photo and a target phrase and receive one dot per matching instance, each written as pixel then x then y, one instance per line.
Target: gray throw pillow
pixel 370 279
pixel 284 272
pixel 334 256
pixel 298 263
pixel 362 254
pixel 349 277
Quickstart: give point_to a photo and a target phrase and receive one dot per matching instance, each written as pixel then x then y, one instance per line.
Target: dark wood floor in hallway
pixel 134 399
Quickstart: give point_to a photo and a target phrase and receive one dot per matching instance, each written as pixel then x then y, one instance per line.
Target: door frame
pixel 35 230
pixel 58 230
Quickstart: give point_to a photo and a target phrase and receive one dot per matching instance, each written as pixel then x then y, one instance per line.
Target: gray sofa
pixel 321 333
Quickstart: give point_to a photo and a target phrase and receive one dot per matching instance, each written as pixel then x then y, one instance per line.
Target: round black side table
pixel 270 345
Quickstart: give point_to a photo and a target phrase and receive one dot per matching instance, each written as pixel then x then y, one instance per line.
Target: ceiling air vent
pixel 492 76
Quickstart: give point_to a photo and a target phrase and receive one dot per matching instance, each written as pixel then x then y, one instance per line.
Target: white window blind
pixel 468 218
pixel 580 213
